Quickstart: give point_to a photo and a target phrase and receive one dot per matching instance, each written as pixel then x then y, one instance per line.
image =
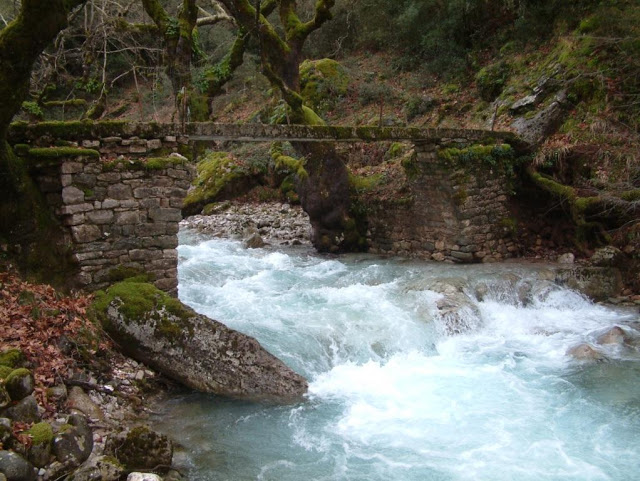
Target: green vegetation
pixel 322 83
pixel 141 302
pixel 12 358
pixel 40 433
pixel 502 155
pixel 59 153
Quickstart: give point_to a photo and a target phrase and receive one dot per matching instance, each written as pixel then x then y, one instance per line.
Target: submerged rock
pixel 585 352
pixel 456 311
pixel 598 283
pixel 191 348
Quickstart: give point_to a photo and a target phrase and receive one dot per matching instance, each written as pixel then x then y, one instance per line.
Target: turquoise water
pixel 391 396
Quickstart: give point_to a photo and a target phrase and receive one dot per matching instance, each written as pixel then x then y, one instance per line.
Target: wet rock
pixel 141 449
pixel 197 351
pixel 608 257
pixel 80 402
pixel 25 411
pixel 456 311
pixel 102 468
pixel 74 443
pixel 567 258
pixel 616 335
pixel 15 467
pixel 173 475
pixel 254 241
pixel 143 477
pixel 585 352
pixel 598 283
pixel 19 384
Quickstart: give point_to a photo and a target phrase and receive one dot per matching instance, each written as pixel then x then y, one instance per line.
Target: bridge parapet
pixel 85 131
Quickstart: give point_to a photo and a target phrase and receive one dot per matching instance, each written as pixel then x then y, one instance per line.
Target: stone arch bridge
pixel 118 187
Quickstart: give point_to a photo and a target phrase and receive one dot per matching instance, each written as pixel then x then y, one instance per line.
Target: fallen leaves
pixel 40 321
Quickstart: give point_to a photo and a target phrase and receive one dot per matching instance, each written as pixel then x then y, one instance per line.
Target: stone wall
pixel 123 213
pixel 456 213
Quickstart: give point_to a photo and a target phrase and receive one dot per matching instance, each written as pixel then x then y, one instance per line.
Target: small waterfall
pixel 417 371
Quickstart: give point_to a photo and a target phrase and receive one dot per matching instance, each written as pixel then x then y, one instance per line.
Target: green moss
pixel 33 109
pixel 310 117
pixel 215 172
pixel 56 153
pixel 363 183
pixel 501 155
pixel 322 82
pixel 122 273
pixel 287 162
pixel 491 80
pixel 5 371
pixel 41 433
pixel 510 225
pixel 410 166
pixel 148 164
pixel 631 195
pixel 138 301
pixel 17 373
pixel 13 358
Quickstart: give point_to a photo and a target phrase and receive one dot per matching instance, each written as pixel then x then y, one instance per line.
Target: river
pixel 393 396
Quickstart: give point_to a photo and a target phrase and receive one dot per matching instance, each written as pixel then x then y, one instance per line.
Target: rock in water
pixel 141 449
pixel 194 350
pixel 585 352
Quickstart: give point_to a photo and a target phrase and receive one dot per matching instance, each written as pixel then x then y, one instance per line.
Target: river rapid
pixel 392 395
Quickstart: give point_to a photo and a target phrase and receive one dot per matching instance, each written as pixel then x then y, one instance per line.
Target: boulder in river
pixel 196 351
pixel 585 352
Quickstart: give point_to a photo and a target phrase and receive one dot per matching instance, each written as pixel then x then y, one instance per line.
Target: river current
pixel 392 395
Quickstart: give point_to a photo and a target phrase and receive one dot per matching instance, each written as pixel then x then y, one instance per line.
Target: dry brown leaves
pixel 34 318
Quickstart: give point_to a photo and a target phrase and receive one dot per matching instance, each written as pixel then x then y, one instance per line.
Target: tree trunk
pixel 25 220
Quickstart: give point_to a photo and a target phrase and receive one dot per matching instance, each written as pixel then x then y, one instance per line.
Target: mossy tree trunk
pixel 25 220
pixel 180 37
pixel 324 192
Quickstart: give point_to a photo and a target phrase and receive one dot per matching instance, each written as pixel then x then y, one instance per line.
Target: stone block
pixel 119 192
pixel 154 144
pixel 75 219
pixel 112 140
pixel 91 144
pixel 137 149
pixel 71 167
pixel 100 216
pixel 166 284
pixel 85 233
pixel 165 214
pixel 75 209
pixel 72 195
pixel 127 217
pixel 151 230
pixel 109 177
pixel 66 179
pixel 163 242
pixel 149 203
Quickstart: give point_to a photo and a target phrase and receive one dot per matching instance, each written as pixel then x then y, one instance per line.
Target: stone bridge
pixel 118 188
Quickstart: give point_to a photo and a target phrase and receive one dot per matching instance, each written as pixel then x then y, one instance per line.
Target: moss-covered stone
pixel 56 153
pixel 19 383
pixel 322 82
pixel 148 164
pixel 220 176
pixel 41 433
pixel 142 302
pixel 4 372
pixel 14 358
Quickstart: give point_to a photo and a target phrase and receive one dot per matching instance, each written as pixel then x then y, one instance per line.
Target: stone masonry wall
pixel 449 213
pixel 123 213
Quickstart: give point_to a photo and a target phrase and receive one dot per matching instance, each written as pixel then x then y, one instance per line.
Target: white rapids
pixel 391 395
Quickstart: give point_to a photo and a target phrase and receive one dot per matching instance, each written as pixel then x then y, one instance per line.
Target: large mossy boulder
pixel 221 176
pixel 322 82
pixel 597 283
pixel 194 350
